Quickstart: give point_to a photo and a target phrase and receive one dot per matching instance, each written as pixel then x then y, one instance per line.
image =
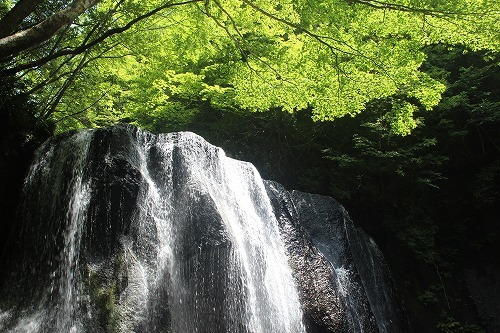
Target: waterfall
pixel 201 235
pixel 125 231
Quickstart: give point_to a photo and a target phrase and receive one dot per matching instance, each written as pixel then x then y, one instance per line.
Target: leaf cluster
pixel 331 57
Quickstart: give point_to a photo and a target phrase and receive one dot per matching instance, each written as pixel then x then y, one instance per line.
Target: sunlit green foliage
pixel 332 57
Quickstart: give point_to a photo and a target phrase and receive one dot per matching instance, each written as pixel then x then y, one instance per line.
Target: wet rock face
pixel 315 277
pixel 343 281
pixel 115 182
pixel 123 230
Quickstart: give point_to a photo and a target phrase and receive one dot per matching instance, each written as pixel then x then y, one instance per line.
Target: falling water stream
pixel 124 231
pixel 201 251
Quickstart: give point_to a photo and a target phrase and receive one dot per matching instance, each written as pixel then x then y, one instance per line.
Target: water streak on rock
pixel 125 231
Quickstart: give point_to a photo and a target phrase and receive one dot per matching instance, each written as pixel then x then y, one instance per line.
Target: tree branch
pixel 13 19
pixel 394 6
pixel 84 47
pixel 43 31
pixel 49 110
pixel 72 115
pixel 295 26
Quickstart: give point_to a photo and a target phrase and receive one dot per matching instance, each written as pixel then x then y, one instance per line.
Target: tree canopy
pixel 321 95
pixel 110 61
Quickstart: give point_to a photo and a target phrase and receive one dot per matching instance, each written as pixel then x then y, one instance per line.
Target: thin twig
pixel 72 115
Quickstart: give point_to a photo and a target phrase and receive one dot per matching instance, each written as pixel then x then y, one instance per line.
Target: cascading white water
pixel 125 231
pixel 202 250
pixel 67 316
pixel 257 264
pixel 45 180
pixel 239 195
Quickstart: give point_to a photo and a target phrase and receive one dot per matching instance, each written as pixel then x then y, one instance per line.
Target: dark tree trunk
pixel 13 19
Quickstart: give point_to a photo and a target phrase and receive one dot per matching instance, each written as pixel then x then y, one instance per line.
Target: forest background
pixel 390 107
